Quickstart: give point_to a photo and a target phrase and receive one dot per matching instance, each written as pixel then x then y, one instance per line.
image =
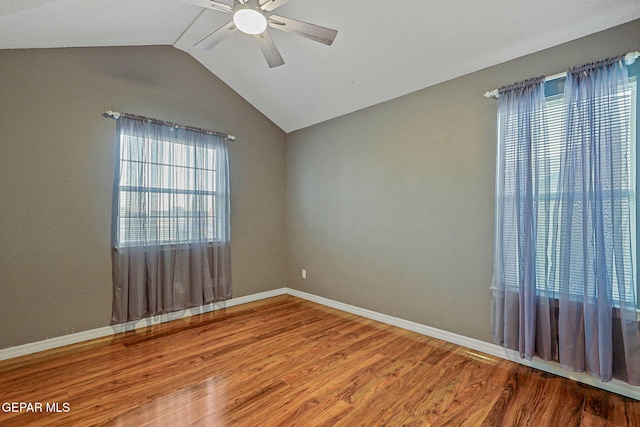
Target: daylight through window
pixel 167 191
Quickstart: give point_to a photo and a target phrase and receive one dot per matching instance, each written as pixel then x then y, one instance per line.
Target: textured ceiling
pixel 383 50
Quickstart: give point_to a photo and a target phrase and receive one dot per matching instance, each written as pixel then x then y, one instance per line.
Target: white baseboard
pixel 51 343
pixel 614 386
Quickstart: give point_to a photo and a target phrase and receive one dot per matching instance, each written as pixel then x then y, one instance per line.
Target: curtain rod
pixel 116 115
pixel 629 59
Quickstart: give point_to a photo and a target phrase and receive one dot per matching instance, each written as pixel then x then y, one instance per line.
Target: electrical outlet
pixel 304 273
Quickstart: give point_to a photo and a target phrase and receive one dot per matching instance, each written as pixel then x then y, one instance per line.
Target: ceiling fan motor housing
pixel 248 4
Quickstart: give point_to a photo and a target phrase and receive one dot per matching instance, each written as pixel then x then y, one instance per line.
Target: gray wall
pixel 56 178
pixel 391 208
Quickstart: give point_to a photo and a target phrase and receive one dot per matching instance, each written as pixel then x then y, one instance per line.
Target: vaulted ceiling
pixel 384 49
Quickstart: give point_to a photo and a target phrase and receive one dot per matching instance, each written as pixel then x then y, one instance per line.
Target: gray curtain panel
pixel 564 283
pixel 171 225
pixel 522 163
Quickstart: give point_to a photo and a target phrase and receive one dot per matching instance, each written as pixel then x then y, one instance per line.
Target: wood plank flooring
pixel 289 362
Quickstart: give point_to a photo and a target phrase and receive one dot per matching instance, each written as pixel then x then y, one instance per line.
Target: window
pixel 548 182
pixel 167 190
pixel 170 218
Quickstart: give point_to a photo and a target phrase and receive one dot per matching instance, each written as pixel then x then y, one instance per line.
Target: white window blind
pixel 548 197
pixel 547 155
pixel 167 191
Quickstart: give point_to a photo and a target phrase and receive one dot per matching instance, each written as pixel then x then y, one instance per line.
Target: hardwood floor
pixel 286 361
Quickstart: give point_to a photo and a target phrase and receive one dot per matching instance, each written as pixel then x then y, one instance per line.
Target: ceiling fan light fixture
pixel 250 21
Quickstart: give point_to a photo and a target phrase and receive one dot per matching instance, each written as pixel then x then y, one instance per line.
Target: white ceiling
pixel 384 49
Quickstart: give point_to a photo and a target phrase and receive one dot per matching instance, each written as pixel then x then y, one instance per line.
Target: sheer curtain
pixel 521 165
pixel 563 286
pixel 595 212
pixel 170 230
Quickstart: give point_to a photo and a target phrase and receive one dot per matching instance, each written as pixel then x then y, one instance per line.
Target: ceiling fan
pixel 253 17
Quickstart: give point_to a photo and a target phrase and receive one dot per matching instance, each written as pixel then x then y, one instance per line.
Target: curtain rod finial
pixel 492 94
pixel 113 114
pixel 631 57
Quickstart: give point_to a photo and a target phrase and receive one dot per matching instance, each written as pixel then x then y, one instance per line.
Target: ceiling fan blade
pixel 270 5
pixel 210 4
pixel 269 50
pixel 304 29
pixel 216 37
